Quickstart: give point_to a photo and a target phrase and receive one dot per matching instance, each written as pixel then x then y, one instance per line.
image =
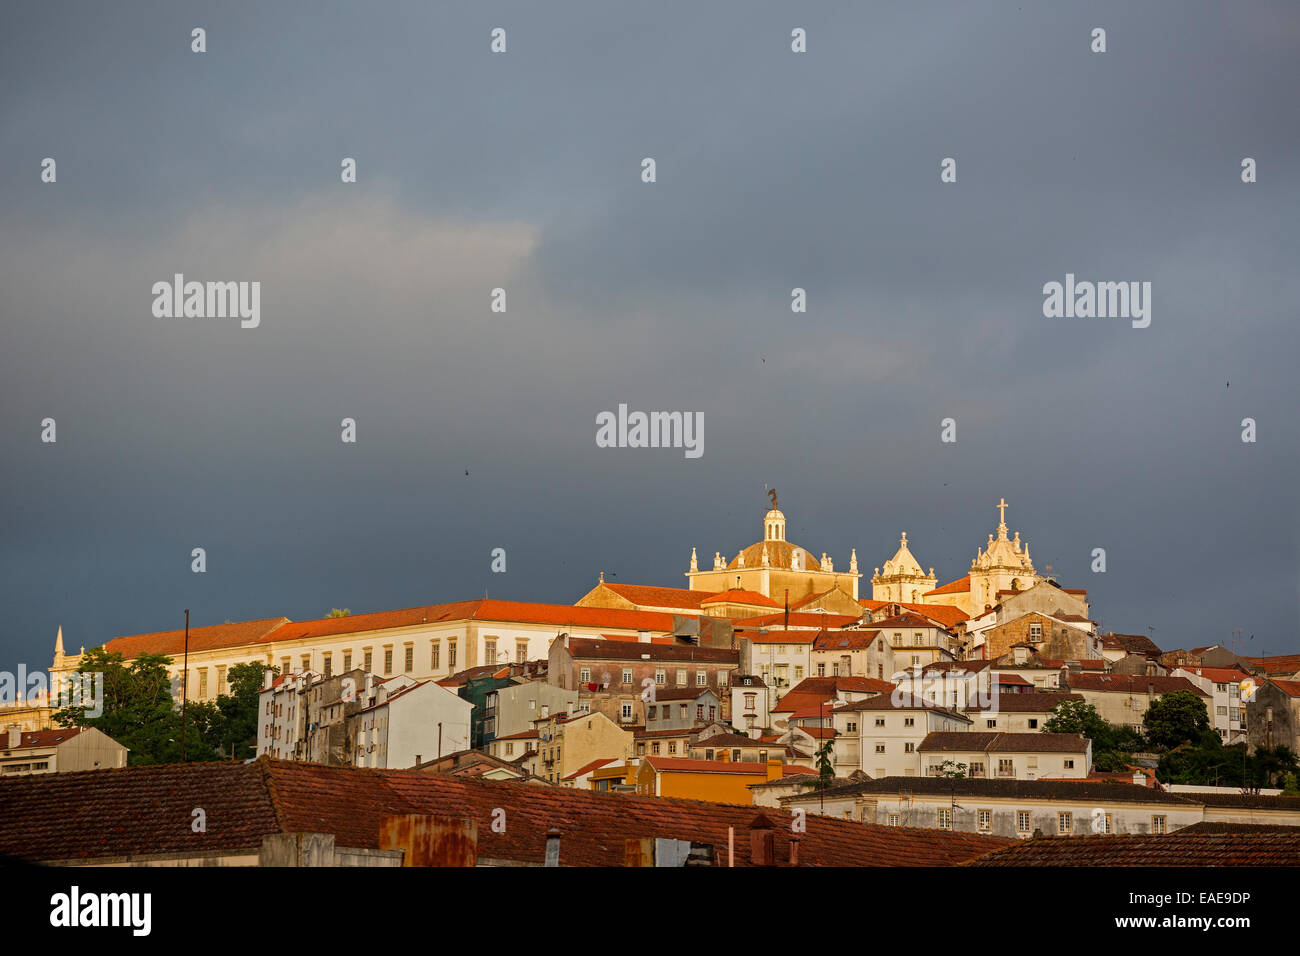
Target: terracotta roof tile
pixel 141 811
pixel 1253 849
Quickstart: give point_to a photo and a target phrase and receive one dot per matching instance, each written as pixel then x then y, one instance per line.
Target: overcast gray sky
pixel 522 170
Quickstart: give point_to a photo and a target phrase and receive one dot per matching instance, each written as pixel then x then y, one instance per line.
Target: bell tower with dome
pixel 773 565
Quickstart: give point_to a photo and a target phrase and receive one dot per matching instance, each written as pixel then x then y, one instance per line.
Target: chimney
pixel 762 842
pixel 15 736
pixel 417 761
pixel 546 711
pixel 794 850
pixel 552 847
pixel 570 708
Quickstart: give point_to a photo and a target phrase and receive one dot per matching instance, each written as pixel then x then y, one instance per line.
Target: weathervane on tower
pixel 771 493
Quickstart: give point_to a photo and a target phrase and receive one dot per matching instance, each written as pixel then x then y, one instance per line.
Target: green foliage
pixel 1208 763
pixel 138 709
pixel 1176 718
pixel 339 612
pixel 1291 785
pixel 232 730
pixel 952 769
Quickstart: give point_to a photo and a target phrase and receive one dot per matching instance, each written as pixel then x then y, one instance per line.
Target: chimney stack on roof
pixel 762 842
pixel 15 736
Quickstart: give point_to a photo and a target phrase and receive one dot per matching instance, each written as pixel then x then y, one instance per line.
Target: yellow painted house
pixel 717 781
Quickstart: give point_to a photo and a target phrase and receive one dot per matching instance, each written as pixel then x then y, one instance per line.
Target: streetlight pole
pixel 185 682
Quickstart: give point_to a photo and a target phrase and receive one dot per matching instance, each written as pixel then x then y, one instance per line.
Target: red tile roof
pixel 584 648
pixel 1248 849
pixel 39 738
pixel 1289 687
pixel 649 596
pixel 853 640
pixel 588 768
pixel 1220 675
pixel 952 587
pixel 686 765
pixel 801 619
pixel 282 629
pixel 1281 664
pixel 781 637
pixel 201 638
pixel 1131 683
pixel 134 812
pixel 740 596
pixel 946 741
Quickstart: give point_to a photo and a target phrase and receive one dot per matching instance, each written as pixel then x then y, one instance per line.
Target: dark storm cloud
pixel 522 170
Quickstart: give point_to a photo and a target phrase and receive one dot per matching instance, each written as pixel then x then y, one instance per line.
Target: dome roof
pixel 779 554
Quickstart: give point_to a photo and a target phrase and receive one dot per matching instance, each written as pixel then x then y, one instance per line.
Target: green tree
pixel 1176 718
pixel 952 769
pixel 138 710
pixel 338 612
pixel 1077 717
pixel 232 731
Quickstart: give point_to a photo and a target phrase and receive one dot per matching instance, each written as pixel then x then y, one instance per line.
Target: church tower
pixel 902 580
pixel 1001 565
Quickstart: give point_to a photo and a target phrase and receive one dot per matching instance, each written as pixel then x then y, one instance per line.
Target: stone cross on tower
pixel 1002 511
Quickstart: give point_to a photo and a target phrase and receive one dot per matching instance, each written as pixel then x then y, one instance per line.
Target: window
pixel 880 721
pixel 627 675
pixel 916 660
pixel 640 750
pixel 627 710
pixel 347 660
pixel 1221 711
pixel 1069 764
pixel 749 701
pixel 1033 723
pixel 699 711
pixel 701 679
pixel 1032 762
pixel 1022 821
pixel 880 747
pixel 388 660
pixel 945 819
pixel 821 670
pixel 521 651
pixel 681 711
pixel 451 655
pixel 408 658
pixel 203 682
pixel 1035 632
pixel 992 722
pixel 672 746
pixel 510 749
pixel 893 820
pixel 1158 824
pixel 681 677
pixel 735 756
pixel 1105 824
pixel 584 675
pixel 852 727
pixel 221 675
pixel 306 662
pixel 369 658
pixel 985 820
pixel 977 768
pixel 1065 823
pixel 651 713
pixel 909 721
pixel 798 672
pixel 909 748
pixel 654 748
pixel 661 676
pixel 490 651
pixel 434 654
pixel 1006 767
